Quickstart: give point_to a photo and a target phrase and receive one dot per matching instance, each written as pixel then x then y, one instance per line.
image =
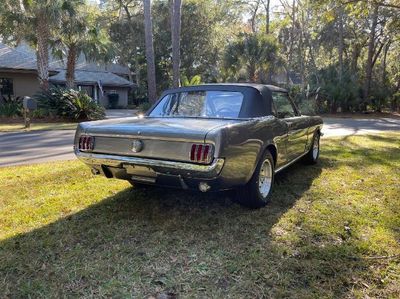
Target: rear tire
pixel 313 154
pixel 257 192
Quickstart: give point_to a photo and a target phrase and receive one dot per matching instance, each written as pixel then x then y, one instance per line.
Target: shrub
pixel 10 106
pixel 40 113
pixel 143 107
pixel 306 100
pixel 69 103
pixel 333 93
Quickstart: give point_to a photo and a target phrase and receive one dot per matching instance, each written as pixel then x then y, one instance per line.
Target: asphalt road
pixel 45 146
pixel 349 126
pixel 36 147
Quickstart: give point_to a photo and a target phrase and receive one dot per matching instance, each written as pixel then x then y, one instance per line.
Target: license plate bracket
pixel 139 170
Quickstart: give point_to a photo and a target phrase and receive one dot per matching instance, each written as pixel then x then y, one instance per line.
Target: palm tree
pixel 175 36
pixel 78 33
pixel 255 54
pixel 32 21
pixel 151 68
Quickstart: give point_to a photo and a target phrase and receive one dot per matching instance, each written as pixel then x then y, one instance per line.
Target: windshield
pixel 220 104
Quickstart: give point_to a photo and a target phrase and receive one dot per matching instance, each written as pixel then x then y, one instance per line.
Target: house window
pixel 6 86
pixel 88 89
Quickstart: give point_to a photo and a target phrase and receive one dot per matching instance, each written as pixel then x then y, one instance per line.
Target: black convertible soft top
pixel 257 97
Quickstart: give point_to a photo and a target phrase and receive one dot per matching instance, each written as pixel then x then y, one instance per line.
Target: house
pixel 18 76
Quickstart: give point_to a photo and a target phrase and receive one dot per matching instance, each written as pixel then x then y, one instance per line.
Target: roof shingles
pixel 82 77
pixel 90 73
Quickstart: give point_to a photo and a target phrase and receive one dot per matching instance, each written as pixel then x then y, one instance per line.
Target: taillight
pixel 201 153
pixel 86 143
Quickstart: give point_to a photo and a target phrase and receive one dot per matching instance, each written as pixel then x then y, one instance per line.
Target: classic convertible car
pixel 206 137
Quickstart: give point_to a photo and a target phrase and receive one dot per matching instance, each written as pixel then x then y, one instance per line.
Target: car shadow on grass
pixel 150 241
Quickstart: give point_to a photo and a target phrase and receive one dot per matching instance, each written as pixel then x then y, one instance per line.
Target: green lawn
pixel 332 230
pixel 37 126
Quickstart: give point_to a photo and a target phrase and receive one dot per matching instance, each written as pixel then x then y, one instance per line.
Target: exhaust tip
pixel 204 187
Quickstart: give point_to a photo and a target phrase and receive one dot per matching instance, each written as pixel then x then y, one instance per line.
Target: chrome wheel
pixel 265 178
pixel 315 150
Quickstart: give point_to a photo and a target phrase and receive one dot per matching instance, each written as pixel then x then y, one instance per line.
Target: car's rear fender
pixel 241 145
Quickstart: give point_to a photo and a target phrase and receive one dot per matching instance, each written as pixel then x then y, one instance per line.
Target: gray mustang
pixel 206 137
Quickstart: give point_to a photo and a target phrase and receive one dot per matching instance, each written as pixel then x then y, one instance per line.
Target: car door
pixel 286 112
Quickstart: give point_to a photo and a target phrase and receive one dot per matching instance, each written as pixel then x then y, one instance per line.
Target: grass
pixel 37 126
pixel 332 230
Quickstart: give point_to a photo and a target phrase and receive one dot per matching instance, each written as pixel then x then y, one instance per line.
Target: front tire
pixel 257 192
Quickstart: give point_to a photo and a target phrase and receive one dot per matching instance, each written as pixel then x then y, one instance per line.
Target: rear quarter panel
pixel 242 144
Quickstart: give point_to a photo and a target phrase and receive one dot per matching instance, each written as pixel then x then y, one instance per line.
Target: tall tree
pixel 371 48
pixel 176 8
pixel 80 32
pixel 151 69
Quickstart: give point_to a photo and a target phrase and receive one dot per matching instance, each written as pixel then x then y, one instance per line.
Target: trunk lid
pixel 161 138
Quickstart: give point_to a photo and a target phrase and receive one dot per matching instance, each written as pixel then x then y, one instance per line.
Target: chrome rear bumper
pixel 164 166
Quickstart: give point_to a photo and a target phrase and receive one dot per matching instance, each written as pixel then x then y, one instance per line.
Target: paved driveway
pixel 43 146
pixel 349 126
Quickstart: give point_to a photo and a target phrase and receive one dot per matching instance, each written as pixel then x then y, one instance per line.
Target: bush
pixel 334 94
pixel 143 107
pixel 305 100
pixel 40 113
pixel 69 103
pixel 10 106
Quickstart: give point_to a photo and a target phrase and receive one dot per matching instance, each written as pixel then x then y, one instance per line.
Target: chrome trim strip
pixel 147 137
pixel 117 161
pixel 291 162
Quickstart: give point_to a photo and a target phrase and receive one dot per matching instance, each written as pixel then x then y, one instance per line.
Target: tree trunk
pixel 340 43
pixel 355 55
pixel 253 18
pixel 136 56
pixel 42 53
pixel 291 42
pixel 251 70
pixel 176 33
pixel 137 71
pixel 151 68
pixel 371 46
pixel 71 63
pixel 267 15
pixel 301 49
pixel 385 52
